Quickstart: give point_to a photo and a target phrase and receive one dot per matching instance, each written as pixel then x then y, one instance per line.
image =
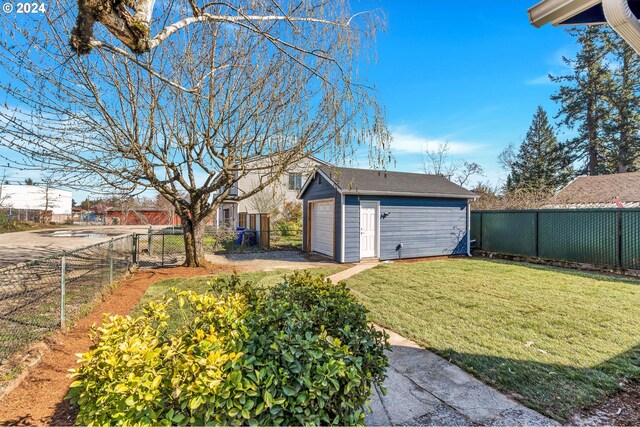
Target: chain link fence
pixel 40 296
pixel 600 237
pixel 164 248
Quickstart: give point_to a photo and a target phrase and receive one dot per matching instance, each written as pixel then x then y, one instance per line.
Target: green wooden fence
pixel 603 237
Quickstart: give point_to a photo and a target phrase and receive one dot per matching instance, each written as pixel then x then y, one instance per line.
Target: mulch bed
pixel 621 409
pixel 39 399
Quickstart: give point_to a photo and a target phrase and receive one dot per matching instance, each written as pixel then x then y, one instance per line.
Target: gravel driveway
pixel 28 245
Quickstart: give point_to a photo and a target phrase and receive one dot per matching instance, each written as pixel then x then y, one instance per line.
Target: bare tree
pixel 5 199
pixel 50 199
pixel 197 92
pixel 439 162
pixel 494 198
pixel 165 205
pixel 269 201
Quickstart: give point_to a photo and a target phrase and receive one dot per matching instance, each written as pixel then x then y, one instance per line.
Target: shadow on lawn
pixel 554 390
pixel 594 275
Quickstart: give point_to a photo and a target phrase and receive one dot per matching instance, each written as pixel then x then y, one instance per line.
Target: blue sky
pixel 467 72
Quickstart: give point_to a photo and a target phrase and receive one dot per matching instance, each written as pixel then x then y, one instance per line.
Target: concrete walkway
pixel 359 268
pixel 424 389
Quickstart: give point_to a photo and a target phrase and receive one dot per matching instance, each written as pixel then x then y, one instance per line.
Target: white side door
pixel 368 229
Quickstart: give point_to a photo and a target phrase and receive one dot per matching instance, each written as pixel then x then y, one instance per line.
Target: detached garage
pixel 356 214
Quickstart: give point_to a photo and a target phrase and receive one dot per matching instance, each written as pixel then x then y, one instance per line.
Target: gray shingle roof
pixel 373 182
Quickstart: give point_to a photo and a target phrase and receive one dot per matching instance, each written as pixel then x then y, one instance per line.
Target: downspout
pixel 469 228
pixel 623 21
pixel 343 220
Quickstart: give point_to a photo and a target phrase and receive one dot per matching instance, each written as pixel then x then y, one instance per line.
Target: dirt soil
pixel 621 409
pixel 39 399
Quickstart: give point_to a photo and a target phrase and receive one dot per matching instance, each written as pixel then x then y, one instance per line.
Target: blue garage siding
pixel 319 191
pixel 352 229
pixel 425 227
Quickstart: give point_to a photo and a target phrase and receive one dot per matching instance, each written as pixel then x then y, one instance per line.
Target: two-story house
pixel 272 198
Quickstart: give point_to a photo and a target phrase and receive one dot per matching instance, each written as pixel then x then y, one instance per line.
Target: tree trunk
pixel 193 232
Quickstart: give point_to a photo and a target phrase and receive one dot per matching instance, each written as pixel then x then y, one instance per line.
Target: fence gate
pixel 265 231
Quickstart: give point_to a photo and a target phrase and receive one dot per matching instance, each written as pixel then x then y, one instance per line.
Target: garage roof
pixel 375 182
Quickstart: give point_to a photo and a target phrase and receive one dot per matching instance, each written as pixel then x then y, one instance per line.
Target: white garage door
pixel 322 216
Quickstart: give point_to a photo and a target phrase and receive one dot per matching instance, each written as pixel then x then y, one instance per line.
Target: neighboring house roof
pixel 599 190
pixel 142 209
pixel 373 182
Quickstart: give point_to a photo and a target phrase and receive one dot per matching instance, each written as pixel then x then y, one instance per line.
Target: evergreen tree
pixel 623 127
pixel 541 163
pixel 582 97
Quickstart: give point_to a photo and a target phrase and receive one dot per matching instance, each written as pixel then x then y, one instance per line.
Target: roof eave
pixel 310 179
pixel 557 11
pixel 349 192
pixel 407 194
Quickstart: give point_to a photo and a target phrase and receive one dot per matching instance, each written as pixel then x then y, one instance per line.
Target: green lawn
pixel 554 339
pixel 200 285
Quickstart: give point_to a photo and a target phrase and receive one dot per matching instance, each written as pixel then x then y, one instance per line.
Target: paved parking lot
pixel 28 245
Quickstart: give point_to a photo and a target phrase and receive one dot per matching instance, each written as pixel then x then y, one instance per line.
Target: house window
pixel 295 181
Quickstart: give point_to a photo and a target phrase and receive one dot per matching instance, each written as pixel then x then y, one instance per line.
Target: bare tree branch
pixel 196 113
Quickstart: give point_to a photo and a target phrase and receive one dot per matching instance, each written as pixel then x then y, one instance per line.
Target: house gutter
pixel 617 13
pixel 623 21
pixel 408 194
pixel 557 11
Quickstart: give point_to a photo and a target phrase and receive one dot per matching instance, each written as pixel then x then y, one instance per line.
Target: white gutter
pixel 557 11
pixel 408 194
pixel 623 21
pixel 617 12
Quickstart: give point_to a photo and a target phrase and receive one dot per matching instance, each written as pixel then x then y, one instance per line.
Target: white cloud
pixel 540 80
pixel 406 141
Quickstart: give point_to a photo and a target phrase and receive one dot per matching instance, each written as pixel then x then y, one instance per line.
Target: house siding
pixel 425 227
pixel 319 191
pixel 279 190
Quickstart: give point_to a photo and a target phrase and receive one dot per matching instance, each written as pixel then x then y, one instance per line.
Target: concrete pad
pixel 425 389
pixel 270 261
pixel 29 245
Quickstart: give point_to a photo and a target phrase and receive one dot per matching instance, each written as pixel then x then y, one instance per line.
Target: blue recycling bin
pixel 239 235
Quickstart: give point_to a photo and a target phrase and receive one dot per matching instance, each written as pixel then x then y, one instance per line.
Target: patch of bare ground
pixel 621 409
pixel 39 399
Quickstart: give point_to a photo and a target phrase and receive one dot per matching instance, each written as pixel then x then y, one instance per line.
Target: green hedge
pixel 299 353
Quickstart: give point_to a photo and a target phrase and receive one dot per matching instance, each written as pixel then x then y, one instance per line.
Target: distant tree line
pixel 599 107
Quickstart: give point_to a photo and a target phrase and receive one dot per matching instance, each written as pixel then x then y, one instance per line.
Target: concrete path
pixel 424 389
pixel 345 274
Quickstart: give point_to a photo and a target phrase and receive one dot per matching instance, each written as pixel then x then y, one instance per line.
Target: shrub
pixel 290 228
pixel 299 353
pixel 292 212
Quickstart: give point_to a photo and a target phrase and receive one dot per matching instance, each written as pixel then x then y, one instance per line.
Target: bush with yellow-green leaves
pixel 299 353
